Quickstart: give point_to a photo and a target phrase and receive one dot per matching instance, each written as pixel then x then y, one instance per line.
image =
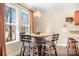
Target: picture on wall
pixel 10 24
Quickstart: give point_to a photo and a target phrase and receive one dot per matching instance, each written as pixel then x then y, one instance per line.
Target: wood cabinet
pixel 69 19
pixel 76 17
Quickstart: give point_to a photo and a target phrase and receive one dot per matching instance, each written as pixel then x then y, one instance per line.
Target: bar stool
pixel 34 49
pixel 25 50
pixel 39 42
pixel 46 48
pixel 53 42
pixel 72 47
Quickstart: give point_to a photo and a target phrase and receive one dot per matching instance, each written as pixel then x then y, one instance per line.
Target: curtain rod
pixel 25 7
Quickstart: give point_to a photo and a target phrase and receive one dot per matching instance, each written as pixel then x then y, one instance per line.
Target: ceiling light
pixel 37 14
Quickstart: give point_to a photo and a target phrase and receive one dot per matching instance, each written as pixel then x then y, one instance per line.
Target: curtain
pixel 32 25
pixel 2 33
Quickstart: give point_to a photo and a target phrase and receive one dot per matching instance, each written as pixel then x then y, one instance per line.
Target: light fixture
pixel 37 14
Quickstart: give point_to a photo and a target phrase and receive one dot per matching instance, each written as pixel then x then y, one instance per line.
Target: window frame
pixel 26 12
pixel 16 23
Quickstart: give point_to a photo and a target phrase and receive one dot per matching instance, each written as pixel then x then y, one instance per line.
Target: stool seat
pixel 26 40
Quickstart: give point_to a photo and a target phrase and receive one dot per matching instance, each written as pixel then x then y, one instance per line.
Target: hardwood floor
pixel 61 51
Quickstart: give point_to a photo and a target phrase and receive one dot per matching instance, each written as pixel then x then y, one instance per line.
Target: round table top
pixel 40 35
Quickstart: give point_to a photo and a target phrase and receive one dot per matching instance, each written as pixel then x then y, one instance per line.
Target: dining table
pixel 40 39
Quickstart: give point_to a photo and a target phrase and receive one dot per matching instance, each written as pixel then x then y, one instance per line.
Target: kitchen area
pixel 70 35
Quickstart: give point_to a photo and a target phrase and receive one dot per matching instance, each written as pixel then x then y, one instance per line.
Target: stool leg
pixel 68 51
pixel 44 48
pixel 76 50
pixel 34 51
pixel 29 49
pixel 23 51
pixel 55 51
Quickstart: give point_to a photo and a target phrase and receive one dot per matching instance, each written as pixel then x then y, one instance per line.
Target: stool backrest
pixel 72 42
pixel 25 39
pixel 55 38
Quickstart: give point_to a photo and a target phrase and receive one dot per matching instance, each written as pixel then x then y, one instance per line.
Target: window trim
pixel 27 12
pixel 16 23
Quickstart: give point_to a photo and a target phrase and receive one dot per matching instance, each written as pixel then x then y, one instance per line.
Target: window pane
pixel 24 29
pixel 25 18
pixel 10 32
pixel 10 15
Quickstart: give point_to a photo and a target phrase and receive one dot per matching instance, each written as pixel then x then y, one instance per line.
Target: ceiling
pixel 50 6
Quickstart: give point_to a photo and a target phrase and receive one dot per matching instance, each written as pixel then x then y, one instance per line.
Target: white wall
pixel 52 21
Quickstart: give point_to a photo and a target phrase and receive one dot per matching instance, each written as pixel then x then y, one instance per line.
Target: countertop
pixel 75 32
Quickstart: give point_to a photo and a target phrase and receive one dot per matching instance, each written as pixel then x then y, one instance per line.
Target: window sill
pixel 12 42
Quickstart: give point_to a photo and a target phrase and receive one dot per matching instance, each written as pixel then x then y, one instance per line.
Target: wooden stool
pixel 25 50
pixel 46 49
pixel 53 44
pixel 72 47
pixel 34 50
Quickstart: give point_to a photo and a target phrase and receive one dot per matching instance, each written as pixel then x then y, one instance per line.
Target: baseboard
pixel 62 45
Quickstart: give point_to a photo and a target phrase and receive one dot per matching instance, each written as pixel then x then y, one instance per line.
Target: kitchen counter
pixel 75 32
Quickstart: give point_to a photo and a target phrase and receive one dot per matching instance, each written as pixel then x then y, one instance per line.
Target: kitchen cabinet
pixel 76 17
pixel 69 19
